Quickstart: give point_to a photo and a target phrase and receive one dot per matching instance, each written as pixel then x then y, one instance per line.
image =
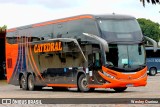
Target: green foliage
pixel 3 28
pixel 150 28
pixel 150 1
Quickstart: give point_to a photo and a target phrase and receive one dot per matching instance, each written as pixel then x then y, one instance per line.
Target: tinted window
pixel 152 54
pixel 120 30
pixel 74 29
pixel 126 56
pixel 12 40
pixel 90 27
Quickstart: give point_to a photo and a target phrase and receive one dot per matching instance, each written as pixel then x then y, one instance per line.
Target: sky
pixel 15 13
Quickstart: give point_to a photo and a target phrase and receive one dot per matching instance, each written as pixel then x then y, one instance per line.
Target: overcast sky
pixel 14 13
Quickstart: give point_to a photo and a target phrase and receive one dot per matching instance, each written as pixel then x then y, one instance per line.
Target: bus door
pixel 95 65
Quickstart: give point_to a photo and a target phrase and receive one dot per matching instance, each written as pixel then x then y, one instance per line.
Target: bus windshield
pixel 120 30
pixel 126 56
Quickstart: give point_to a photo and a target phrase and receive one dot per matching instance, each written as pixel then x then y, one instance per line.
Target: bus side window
pixel 12 40
pixel 35 39
pixel 89 26
pixel 97 59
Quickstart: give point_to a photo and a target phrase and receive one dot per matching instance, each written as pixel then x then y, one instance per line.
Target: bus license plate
pixel 129 85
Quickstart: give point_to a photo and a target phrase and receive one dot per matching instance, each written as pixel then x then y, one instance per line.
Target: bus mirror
pixel 153 42
pixel 102 41
pixel 139 50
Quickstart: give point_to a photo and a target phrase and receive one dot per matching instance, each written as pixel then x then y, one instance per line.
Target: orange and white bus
pixel 85 51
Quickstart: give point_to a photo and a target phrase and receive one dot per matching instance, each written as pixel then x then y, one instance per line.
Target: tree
pixel 152 1
pixel 3 29
pixel 150 28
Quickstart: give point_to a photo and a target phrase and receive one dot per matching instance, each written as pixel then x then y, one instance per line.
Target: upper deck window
pixel 120 30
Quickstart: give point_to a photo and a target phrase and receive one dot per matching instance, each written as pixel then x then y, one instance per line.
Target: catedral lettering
pixel 48 47
pixel 83 52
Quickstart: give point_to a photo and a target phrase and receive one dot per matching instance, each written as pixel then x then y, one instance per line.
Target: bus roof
pixel 89 16
pixel 114 16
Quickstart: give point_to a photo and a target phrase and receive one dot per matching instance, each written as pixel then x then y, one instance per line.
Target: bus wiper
pixel 109 65
pixel 142 65
pixel 124 66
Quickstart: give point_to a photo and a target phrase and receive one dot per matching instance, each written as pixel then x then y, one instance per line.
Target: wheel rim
pixel 84 83
pixel 23 82
pixel 153 71
pixel 30 83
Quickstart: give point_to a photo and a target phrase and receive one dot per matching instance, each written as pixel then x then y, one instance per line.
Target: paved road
pixel 152 90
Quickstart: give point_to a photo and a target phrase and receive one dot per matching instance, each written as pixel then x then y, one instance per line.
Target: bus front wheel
pixel 83 83
pixel 152 71
pixel 120 89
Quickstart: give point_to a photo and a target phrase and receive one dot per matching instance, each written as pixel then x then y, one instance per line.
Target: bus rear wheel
pixel 31 82
pixel 23 83
pixel 120 89
pixel 152 71
pixel 83 83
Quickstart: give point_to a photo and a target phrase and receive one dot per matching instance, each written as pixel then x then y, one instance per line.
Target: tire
pixel 120 89
pixel 31 86
pixel 152 71
pixel 23 83
pixel 82 84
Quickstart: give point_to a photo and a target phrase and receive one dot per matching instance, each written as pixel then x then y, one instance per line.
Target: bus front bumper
pixel 117 79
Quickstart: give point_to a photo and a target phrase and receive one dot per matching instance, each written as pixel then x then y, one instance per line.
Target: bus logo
pixel 48 47
pixel 6 101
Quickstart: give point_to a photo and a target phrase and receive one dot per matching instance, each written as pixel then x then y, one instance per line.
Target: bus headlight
pixel 108 75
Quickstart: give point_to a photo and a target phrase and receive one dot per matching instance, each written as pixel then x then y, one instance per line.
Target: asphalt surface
pixel 152 90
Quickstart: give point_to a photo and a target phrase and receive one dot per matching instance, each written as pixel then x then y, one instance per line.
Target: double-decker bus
pixel 152 61
pixel 85 51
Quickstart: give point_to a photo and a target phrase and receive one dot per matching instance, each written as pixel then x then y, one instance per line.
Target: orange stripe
pixel 62 85
pixel 36 68
pixel 26 46
pixel 18 40
pixel 28 57
pixel 56 21
pixel 21 46
pixel 17 62
pixel 62 20
pixel 11 30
